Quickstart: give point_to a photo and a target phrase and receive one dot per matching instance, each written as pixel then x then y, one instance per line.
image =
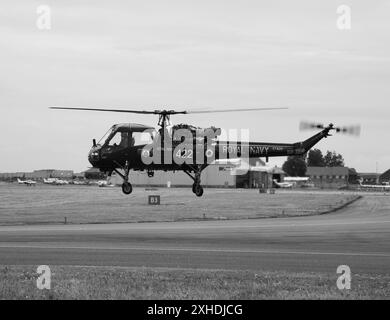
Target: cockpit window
pixel 104 139
pixel 115 140
pixel 126 139
pixel 121 139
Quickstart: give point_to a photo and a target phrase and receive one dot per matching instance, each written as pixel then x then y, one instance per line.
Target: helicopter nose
pixel 94 156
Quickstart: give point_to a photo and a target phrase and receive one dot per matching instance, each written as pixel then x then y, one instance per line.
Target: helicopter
pixel 183 147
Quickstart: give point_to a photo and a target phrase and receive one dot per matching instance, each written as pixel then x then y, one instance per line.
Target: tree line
pixel 296 166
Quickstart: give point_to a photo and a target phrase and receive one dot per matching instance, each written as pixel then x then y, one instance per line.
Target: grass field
pixel 81 204
pixel 19 282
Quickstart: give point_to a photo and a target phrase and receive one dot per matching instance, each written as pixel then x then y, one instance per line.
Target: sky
pixel 192 54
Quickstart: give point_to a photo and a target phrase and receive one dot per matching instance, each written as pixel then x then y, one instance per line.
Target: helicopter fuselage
pixel 179 155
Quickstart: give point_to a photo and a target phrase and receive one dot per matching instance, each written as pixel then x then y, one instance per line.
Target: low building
pixel 8 176
pixel 94 174
pixel 384 178
pixel 329 177
pixel 39 175
pixel 79 175
pixel 368 178
pixel 63 174
pixel 258 175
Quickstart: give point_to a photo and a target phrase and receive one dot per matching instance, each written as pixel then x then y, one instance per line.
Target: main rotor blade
pixel 231 110
pixel 106 110
pixel 168 112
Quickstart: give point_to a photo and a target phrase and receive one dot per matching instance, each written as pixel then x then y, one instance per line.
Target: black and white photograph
pixel 202 152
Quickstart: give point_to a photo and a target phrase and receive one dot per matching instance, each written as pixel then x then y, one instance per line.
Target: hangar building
pixel 39 174
pixel 385 177
pixel 328 177
pixel 369 177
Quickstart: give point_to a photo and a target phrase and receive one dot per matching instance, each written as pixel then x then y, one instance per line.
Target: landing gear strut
pixel 196 187
pixel 127 188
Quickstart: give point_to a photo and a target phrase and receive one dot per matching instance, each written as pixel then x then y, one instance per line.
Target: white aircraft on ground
pixel 284 185
pixel 55 181
pixel 27 182
pixel 379 187
pixel 80 183
pixel 104 183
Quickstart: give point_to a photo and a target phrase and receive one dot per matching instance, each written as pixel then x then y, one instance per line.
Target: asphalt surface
pixel 358 236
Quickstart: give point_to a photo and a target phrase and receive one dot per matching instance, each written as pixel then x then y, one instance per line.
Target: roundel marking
pixel 146 153
pixel 209 153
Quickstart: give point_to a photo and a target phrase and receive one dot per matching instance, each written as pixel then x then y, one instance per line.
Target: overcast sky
pixel 188 54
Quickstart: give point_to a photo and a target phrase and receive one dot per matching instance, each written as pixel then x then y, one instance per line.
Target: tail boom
pixel 228 149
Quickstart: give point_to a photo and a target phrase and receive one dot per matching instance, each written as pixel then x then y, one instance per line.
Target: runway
pixel 357 236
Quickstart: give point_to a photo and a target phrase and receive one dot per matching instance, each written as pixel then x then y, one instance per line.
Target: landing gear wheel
pixel 196 187
pixel 198 190
pixel 127 188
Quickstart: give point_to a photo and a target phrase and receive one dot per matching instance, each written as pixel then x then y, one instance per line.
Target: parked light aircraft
pixel 27 182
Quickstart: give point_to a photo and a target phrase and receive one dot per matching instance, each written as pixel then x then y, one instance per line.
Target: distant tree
pixel 295 166
pixel 352 176
pixel 333 159
pixel 315 158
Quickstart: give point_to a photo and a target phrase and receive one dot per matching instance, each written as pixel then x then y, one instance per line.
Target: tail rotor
pixel 353 130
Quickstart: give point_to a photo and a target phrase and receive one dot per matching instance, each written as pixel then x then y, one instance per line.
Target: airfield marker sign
pixel 154 200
